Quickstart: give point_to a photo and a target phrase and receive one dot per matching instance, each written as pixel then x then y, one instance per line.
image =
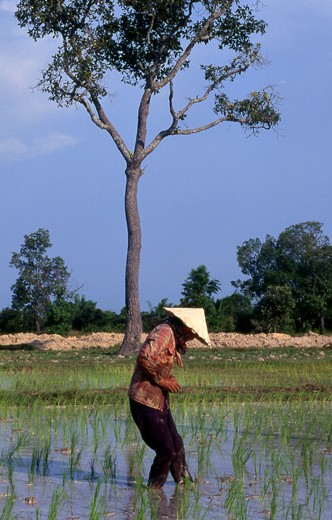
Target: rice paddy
pixel 258 438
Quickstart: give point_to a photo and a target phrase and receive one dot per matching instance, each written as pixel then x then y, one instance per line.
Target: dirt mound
pixel 57 342
pixel 233 340
pixel 218 340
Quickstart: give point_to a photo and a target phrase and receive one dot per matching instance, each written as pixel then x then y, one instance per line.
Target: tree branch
pixel 200 36
pixel 143 113
pixel 216 75
pixel 170 101
pixel 103 122
pixel 189 131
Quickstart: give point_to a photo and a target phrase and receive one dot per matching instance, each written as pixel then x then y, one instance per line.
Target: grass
pixel 256 425
pixel 100 376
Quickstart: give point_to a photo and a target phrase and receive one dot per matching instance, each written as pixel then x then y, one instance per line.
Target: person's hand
pixel 169 384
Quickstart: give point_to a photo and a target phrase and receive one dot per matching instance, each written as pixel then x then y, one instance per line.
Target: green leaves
pixel 42 280
pixel 255 112
pixel 199 287
pixel 235 28
pixel 290 275
pixel 149 43
pixel 146 41
pixel 198 291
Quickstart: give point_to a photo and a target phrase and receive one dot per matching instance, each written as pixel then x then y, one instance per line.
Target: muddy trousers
pixel 159 432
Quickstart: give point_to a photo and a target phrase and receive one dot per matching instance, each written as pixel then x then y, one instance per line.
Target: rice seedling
pixel 188 502
pixel 241 454
pixel 20 441
pixel 40 458
pixel 10 475
pixel 8 506
pixel 109 464
pixel 140 499
pixel 319 495
pixel 235 503
pixel 56 504
pixel 140 453
pixel 271 455
pixel 204 448
pixel 35 463
pixel 98 504
pixel 75 453
pixel 92 475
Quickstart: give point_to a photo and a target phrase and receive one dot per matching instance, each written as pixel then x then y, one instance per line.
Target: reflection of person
pixel 150 386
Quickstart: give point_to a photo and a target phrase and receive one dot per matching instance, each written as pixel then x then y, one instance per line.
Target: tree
pixel 306 255
pixel 258 261
pixel 198 291
pixel 86 316
pixel 149 43
pixel 42 280
pixel 294 270
pixel 11 321
pixel 275 308
pixel 58 317
pixel 235 313
pixel 155 315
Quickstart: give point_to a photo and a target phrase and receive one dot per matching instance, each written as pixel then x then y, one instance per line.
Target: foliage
pixel 42 280
pixel 198 290
pixel 230 314
pixel 289 276
pixel 11 320
pixel 275 308
pixel 59 317
pixel 236 313
pixel 88 318
pixel 155 314
pixel 150 43
pixel 146 40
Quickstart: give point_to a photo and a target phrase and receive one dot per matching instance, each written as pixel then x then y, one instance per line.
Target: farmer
pixel 150 386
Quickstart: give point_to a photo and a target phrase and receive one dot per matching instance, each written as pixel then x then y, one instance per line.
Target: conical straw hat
pixel 194 319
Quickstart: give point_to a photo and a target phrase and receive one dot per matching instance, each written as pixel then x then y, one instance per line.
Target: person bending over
pixel 151 384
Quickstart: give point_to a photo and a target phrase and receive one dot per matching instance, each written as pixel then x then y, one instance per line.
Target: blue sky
pixel 200 197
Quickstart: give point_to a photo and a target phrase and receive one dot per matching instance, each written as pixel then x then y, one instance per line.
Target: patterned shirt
pixel 154 362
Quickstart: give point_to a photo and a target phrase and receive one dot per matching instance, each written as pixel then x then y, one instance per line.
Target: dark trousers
pixel 159 432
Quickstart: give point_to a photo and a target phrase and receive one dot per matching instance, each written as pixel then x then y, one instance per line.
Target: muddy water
pixel 252 461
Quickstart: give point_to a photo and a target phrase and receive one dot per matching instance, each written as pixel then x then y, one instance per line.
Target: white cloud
pixel 21 64
pixel 21 58
pixel 16 149
pixel 25 110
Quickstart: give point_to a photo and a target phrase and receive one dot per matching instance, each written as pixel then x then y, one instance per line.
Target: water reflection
pixel 244 458
pixel 161 507
pixel 156 504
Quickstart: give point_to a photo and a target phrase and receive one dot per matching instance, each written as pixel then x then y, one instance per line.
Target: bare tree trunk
pixel 133 332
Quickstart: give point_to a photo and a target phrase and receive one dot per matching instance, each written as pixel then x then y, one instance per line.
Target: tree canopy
pixel 150 43
pixel 199 288
pixel 290 275
pixel 41 280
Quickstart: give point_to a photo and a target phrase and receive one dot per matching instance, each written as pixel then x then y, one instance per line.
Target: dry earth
pixel 219 340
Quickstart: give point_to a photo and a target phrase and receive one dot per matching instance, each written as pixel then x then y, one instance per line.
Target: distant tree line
pixel 288 288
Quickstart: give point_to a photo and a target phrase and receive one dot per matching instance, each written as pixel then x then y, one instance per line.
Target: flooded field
pixel 252 461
